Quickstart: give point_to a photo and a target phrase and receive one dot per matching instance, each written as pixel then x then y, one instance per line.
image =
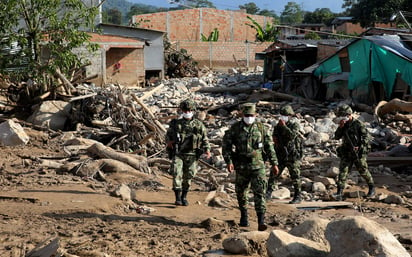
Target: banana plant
pixel 213 37
pixel 267 34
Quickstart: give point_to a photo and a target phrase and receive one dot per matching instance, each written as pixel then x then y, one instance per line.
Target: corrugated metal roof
pixel 392 43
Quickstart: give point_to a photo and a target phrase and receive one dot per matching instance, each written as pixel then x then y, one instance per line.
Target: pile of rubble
pixel 132 122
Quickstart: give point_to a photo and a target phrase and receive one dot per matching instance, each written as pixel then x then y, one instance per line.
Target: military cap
pixel 248 108
pixel 287 110
pixel 343 110
pixel 188 105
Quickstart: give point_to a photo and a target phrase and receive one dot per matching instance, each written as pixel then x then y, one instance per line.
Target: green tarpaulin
pixel 372 59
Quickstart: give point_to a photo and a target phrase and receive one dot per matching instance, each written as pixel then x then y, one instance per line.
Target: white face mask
pixel 249 120
pixel 284 118
pixel 188 115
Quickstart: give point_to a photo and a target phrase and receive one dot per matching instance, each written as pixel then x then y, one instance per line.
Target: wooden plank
pixel 317 205
pixel 19 199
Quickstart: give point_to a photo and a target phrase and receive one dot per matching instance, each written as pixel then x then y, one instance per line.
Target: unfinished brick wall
pixel 189 24
pixel 125 66
pixel 220 55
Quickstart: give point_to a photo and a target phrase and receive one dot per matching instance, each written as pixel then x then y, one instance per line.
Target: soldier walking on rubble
pixel 186 141
pixel 354 149
pixel 288 146
pixel 244 146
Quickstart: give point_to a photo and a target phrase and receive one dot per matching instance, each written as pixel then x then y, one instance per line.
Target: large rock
pixel 247 243
pixel 51 114
pixel 312 229
pixel 283 244
pixel 357 235
pixel 12 134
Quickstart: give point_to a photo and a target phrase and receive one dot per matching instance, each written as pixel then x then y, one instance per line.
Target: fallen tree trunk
pixel 393 106
pixel 136 161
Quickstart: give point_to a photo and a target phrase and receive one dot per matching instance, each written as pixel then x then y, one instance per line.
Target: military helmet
pixel 187 105
pixel 287 110
pixel 248 108
pixel 343 110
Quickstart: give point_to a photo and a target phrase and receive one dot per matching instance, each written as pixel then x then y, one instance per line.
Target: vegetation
pixel 213 37
pixel 267 34
pixel 44 45
pixel 370 12
pixel 312 35
pixel 195 3
pixel 320 15
pixel 292 14
pixel 251 8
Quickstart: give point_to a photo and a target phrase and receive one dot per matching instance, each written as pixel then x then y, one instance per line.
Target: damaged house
pixel 369 69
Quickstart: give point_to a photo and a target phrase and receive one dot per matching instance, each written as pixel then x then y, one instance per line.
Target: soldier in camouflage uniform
pixel 288 146
pixel 244 146
pixel 186 140
pixel 354 149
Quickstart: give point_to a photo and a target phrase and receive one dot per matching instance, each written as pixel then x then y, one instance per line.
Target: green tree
pixel 312 35
pixel 268 33
pixel 320 15
pixel 268 13
pixel 114 16
pixel 44 44
pixel 251 8
pixel 195 3
pixel 370 12
pixel 292 14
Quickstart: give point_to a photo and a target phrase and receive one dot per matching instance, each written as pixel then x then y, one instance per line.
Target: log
pixel 159 125
pixel 67 84
pixel 47 248
pixel 136 161
pixel 114 166
pixel 393 106
pixel 151 92
pixel 225 90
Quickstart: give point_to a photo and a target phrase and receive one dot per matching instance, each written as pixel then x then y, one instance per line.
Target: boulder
pixel 12 134
pixel 281 243
pixel 246 243
pixel 312 229
pixel 357 235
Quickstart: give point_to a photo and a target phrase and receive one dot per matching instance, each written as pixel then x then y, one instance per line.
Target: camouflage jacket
pixel 190 136
pixel 289 146
pixel 248 146
pixel 353 134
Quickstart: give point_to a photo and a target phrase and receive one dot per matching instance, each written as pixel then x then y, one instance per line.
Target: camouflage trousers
pixel 184 168
pixel 345 167
pixel 256 179
pixel 294 171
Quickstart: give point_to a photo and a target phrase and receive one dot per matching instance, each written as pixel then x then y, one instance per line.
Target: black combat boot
pixel 178 198
pixel 371 191
pixel 339 194
pixel 244 222
pixel 296 197
pixel 261 221
pixel 184 200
